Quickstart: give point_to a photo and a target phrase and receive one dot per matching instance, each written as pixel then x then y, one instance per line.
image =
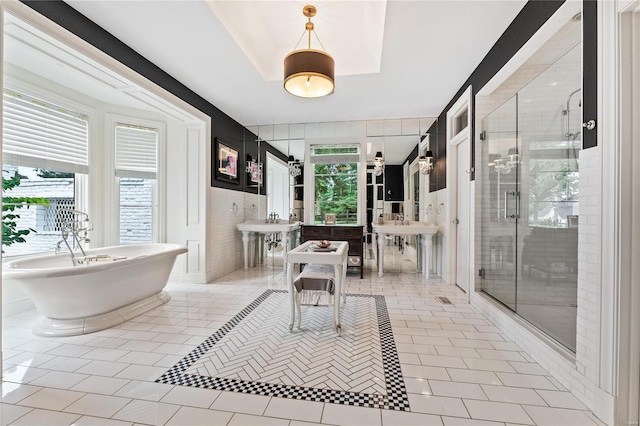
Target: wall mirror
pixel 253 175
pixel 396 140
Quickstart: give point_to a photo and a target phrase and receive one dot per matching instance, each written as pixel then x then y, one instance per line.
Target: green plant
pixel 48 174
pixel 10 232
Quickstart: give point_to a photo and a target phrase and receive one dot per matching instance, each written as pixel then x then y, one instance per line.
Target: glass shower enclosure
pixel 529 243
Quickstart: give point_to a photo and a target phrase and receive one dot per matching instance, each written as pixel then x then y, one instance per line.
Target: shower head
pixel 570 96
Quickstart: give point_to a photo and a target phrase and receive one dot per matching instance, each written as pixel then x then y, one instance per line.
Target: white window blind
pixel 136 151
pixel 42 135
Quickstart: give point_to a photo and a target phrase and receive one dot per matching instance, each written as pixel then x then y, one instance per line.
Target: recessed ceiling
pixel 350 31
pixel 429 49
pixel 48 62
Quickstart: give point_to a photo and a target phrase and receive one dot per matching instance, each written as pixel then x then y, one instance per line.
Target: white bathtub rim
pixel 52 327
pixel 15 269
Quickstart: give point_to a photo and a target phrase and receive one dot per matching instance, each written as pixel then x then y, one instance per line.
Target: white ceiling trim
pixel 352 32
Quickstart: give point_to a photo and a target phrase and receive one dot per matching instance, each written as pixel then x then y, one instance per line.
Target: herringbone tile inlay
pixel 256 353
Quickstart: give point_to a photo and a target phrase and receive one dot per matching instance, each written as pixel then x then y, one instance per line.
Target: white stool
pixel 315 279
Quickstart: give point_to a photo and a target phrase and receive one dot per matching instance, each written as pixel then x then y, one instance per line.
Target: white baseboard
pixel 604 406
pixel 195 278
pixel 17 306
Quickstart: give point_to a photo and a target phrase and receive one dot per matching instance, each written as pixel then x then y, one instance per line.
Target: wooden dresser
pixel 353 234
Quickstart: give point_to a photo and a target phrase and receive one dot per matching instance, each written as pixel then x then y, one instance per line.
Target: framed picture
pixel 330 219
pixel 572 221
pixel 226 162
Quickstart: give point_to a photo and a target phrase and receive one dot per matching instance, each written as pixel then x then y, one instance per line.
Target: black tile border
pixel 396 398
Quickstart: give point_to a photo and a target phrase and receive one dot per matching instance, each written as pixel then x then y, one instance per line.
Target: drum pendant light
pixel 309 73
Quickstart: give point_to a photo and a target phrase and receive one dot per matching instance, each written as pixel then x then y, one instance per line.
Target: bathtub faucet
pixel 76 227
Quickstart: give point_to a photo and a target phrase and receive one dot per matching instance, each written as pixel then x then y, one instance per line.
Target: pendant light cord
pixel 309 38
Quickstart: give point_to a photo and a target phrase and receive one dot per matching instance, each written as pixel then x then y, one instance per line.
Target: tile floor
pixel 458 368
pixel 256 353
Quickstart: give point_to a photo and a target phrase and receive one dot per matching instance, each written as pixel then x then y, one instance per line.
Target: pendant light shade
pixel 309 73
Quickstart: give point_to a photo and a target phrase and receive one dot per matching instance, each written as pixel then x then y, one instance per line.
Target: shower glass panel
pixel 530 219
pixel 549 124
pixel 500 183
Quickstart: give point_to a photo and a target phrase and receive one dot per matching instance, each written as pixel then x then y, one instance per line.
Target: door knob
pixel 589 125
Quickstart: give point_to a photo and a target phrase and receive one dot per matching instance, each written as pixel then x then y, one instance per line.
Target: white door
pixel 278 189
pixel 462 215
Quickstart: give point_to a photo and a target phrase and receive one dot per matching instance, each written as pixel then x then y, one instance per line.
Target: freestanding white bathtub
pixel 98 294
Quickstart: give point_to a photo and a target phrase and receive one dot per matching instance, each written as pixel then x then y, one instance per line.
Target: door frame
pixel 273 162
pixel 463 105
pixel 623 92
pixel 459 190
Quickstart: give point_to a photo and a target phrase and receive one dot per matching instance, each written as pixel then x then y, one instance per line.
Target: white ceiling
pixel 429 48
pixel 353 31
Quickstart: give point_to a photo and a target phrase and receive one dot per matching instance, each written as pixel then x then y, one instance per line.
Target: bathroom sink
pixel 251 227
pixel 413 228
pixel 262 227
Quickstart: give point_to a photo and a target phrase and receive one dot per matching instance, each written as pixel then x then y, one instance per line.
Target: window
pixel 336 182
pixel 136 165
pixel 46 144
pixel 553 191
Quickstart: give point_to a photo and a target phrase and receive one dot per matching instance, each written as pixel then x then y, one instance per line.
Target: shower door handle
pixel 506 205
pixel 589 125
pixel 517 194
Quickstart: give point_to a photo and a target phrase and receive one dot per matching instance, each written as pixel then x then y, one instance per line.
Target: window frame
pixel 53 96
pixel 112 218
pixel 309 176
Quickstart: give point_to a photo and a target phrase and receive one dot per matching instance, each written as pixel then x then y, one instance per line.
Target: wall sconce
pixel 254 170
pixel 378 164
pixel 249 164
pixel 295 168
pixel 504 165
pixel 426 163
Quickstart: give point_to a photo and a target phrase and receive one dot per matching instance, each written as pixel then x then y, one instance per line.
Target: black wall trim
pixel 222 125
pixel 532 16
pixel 589 70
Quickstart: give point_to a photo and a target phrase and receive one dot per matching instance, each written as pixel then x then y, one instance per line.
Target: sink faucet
pixel 399 220
pixel 273 218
